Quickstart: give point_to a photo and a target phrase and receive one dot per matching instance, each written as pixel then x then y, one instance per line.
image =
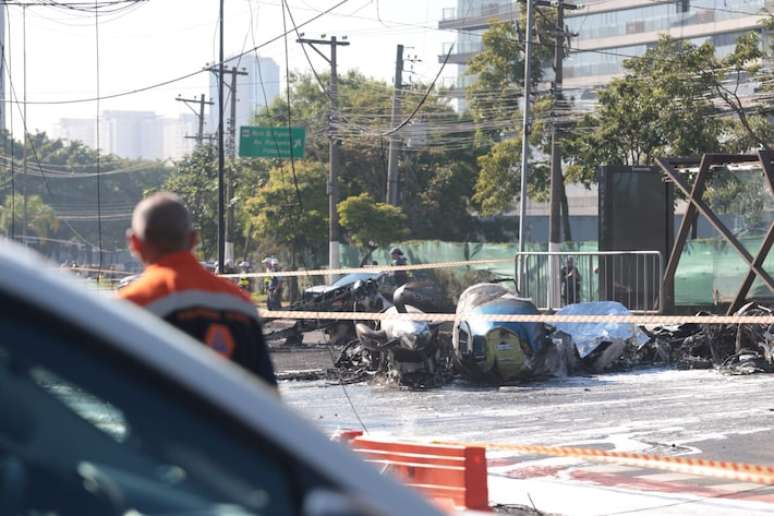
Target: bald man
pixel 178 289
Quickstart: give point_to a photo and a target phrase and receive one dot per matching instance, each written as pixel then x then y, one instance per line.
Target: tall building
pixel 131 134
pixel 255 90
pixel 177 135
pixel 605 33
pixel 609 31
pixel 82 130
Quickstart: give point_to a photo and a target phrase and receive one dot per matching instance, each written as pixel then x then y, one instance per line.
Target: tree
pixel 195 180
pixel 495 96
pixel 41 219
pixel 64 175
pixel 726 75
pixel 366 220
pixel 660 107
pixel 365 106
pixel 280 223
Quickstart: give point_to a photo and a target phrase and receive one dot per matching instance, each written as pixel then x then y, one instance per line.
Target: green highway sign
pixel 271 142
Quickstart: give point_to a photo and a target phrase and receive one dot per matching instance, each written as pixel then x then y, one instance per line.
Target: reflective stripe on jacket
pixel 210 309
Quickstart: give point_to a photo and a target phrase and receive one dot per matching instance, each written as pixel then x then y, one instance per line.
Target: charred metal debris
pixel 422 355
pixel 731 349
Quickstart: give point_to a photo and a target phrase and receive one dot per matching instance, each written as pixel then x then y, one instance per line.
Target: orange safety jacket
pixel 210 309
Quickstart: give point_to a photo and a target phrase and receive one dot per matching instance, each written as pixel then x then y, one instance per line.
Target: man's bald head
pixel 162 222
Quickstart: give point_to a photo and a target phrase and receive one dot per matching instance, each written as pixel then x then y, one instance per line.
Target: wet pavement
pixel 639 410
pixel 698 414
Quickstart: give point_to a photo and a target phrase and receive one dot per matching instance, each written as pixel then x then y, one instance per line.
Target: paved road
pixel 693 413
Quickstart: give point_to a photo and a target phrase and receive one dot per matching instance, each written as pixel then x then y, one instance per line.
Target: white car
pixel 107 410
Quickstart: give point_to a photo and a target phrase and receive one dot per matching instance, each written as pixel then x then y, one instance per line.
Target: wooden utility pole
pixel 333 196
pixel 392 160
pixel 199 115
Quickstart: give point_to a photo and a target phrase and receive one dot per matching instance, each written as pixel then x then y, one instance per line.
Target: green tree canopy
pixel 64 175
pixel 660 107
pixel 432 177
pixel 279 223
pixel 366 220
pixel 41 219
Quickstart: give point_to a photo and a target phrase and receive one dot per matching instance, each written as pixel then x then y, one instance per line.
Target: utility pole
pixel 392 160
pixel 556 155
pixel 24 123
pixel 221 157
pixel 199 115
pixel 231 127
pixel 225 190
pixel 232 155
pixel 333 194
pixel 555 238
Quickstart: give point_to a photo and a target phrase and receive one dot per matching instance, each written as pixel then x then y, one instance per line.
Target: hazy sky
pixel 163 39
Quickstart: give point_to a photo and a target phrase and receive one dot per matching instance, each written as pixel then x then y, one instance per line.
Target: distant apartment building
pixel 609 31
pixel 133 134
pixel 82 130
pixel 254 91
pixel 178 135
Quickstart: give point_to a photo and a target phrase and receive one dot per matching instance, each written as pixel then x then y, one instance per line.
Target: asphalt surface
pixel 729 416
pixel 698 414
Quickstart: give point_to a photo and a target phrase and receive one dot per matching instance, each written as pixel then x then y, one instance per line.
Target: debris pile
pixel 730 348
pixel 601 346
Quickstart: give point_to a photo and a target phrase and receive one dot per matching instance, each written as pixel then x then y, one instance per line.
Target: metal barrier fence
pixel 555 279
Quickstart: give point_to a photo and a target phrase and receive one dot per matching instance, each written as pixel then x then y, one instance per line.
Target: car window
pixel 83 431
pixel 351 278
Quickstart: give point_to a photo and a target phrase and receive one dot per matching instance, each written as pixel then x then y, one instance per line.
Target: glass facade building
pixel 607 32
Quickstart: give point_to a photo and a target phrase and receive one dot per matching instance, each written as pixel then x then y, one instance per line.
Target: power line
pixel 181 77
pixel 424 98
pixel 13 140
pixel 35 150
pixel 287 93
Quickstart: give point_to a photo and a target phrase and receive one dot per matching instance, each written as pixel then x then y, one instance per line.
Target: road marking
pixel 670 477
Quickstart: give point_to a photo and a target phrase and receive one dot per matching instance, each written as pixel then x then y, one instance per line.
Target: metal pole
pixel 221 157
pixel 392 160
pixel 200 136
pixel 333 216
pixel 229 250
pixel 554 239
pixel 525 134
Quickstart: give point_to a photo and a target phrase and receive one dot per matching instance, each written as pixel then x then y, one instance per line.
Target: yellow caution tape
pixel 370 269
pixel 537 318
pixel 742 472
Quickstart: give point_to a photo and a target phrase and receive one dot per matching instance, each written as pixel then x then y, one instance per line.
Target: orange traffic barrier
pixel 450 474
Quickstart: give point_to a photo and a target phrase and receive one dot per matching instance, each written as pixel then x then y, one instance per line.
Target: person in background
pixel 245 282
pixel 177 288
pixel 571 282
pixel 400 278
pixel 273 285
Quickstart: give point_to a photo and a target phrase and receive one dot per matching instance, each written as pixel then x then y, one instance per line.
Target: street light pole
pixel 525 138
